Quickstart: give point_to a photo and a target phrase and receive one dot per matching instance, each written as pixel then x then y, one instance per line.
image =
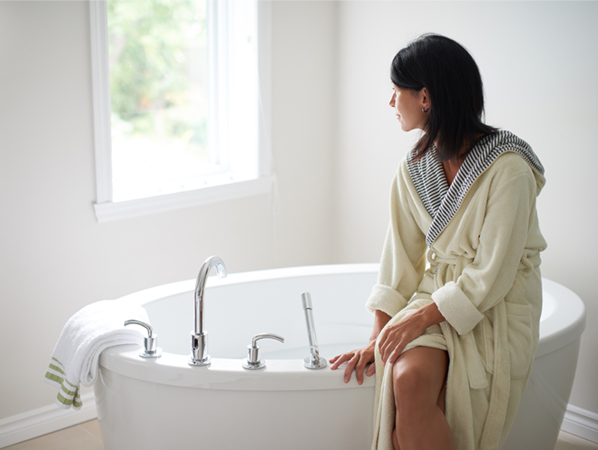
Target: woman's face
pixel 409 106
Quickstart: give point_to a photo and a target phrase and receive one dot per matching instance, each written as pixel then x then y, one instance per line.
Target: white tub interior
pixel 235 310
pixel 243 305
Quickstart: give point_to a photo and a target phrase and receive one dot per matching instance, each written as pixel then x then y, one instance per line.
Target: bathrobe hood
pixel 441 201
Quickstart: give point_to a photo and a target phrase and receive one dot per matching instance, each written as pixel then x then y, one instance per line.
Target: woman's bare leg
pixel 419 376
pixel 441 404
pixel 395 440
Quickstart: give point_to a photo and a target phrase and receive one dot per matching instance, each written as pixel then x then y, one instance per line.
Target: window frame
pixel 108 210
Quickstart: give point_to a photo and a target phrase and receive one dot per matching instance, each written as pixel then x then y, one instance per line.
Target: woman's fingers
pixel 356 360
pixel 386 346
pixel 394 338
pixel 392 351
pixel 371 370
pixel 338 360
pixel 350 358
pixel 350 366
pixel 360 369
pixel 394 355
pixel 391 344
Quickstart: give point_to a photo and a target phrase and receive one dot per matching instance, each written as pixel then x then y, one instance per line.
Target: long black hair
pixel 453 80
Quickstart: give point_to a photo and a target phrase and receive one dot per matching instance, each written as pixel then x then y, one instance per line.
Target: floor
pixel 87 436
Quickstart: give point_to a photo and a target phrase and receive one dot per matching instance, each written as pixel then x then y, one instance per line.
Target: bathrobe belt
pixel 501 381
pixel 476 373
pixel 528 261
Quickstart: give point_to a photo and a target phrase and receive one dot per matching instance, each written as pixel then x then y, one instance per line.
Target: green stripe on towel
pixel 63 400
pixel 67 392
pixel 56 378
pixel 75 402
pixel 58 362
pixel 56 368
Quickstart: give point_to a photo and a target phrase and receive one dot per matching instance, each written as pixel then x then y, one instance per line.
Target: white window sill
pixel 111 211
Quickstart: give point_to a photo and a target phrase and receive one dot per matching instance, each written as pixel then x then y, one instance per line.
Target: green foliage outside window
pixel 158 69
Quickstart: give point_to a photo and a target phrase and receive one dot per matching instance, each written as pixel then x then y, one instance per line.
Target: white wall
pixel 55 258
pixel 540 68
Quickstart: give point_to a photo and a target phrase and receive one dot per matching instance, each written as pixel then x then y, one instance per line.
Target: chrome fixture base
pixel 197 362
pixel 154 354
pixel 312 363
pixel 254 366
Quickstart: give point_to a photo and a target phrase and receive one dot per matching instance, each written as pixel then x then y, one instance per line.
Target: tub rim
pixel 559 328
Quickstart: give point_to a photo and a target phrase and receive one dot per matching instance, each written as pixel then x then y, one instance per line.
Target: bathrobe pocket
pixel 519 319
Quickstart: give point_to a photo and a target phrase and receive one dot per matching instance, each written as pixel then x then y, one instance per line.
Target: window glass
pixel 158 65
pixel 181 111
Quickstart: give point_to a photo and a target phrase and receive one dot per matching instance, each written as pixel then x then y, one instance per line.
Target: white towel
pixel 86 334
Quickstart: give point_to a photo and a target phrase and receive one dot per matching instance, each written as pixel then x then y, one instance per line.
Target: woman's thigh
pixel 419 376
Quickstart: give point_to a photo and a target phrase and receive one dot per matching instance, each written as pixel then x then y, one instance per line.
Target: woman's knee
pixel 408 380
pixel 418 379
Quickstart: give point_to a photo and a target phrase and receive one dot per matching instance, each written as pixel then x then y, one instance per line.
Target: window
pixel 180 118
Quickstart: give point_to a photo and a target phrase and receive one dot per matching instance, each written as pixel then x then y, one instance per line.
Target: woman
pixel 458 297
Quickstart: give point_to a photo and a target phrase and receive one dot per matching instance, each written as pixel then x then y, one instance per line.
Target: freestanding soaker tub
pixel 166 403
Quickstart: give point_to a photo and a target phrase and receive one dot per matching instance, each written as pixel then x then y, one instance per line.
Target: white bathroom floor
pixel 87 437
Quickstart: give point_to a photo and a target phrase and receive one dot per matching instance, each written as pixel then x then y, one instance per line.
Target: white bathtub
pixel 166 404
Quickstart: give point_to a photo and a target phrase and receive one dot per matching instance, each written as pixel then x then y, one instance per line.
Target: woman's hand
pixel 357 360
pixel 395 337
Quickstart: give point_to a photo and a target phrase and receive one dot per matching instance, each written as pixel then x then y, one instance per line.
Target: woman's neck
pixel 451 167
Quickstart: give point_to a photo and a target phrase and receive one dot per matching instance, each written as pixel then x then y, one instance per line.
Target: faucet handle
pixel 253 351
pixel 150 343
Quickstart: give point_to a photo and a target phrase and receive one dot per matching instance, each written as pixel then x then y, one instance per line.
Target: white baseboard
pixel 47 419
pixel 581 422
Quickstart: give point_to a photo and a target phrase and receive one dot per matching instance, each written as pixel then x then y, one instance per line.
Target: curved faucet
pixel 199 337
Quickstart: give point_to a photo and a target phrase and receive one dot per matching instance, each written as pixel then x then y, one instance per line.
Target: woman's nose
pixel 391 103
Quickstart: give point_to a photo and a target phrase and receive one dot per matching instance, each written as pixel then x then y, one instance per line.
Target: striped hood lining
pixel 443 201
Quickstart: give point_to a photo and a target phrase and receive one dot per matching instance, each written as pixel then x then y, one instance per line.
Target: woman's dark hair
pixel 453 81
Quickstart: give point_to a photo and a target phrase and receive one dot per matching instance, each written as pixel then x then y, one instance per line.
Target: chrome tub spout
pixel 199 337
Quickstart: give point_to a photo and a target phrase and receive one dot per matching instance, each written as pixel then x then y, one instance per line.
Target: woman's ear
pixel 425 99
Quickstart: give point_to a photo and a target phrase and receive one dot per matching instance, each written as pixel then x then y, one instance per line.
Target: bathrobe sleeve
pixel 490 276
pixel 403 255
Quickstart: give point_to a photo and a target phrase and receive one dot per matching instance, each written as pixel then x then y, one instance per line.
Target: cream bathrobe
pixel 481 240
